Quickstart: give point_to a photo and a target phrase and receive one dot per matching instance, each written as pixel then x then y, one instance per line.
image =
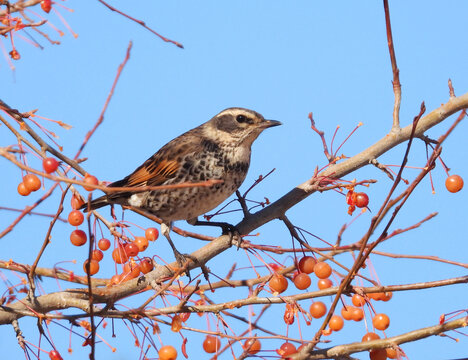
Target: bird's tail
pixel 96 203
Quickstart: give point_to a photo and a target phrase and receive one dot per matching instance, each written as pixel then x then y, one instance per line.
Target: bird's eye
pixel 241 119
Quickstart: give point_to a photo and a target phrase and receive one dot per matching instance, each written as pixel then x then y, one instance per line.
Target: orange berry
pixel 32 182
pixel 370 336
pixel 358 300
pixel 306 264
pixel 318 309
pixel 254 345
pixel 324 284
pixel 141 242
pixel 167 352
pixel 104 244
pixel 347 312
pixel 23 190
pixel 454 183
pixel 391 353
pixel 176 323
pixel 152 234
pixel 75 218
pixel 278 283
pixel 146 265
pixel 302 281
pixel 90 180
pixel 286 349
pixel 336 323
pixel 322 270
pixel 97 255
pixel 93 267
pixel 357 314
pixel 211 344
pixel 381 321
pixel 119 255
pixel 378 354
pixel 78 237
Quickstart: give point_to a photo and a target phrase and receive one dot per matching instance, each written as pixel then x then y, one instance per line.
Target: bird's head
pixel 238 126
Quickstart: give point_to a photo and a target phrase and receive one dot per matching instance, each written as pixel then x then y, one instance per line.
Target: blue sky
pixel 283 60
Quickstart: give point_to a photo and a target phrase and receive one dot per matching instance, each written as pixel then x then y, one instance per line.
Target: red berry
pixel 278 283
pixel 350 198
pixel 50 165
pixel 286 349
pixel 211 344
pixel 322 270
pixel 146 265
pixel 391 353
pixel 14 54
pixel 362 200
pixel 378 354
pixel 90 180
pixel 93 267
pixel 119 255
pixel 46 5
pixel 131 249
pixel 97 255
pixel 32 182
pixel 23 190
pixel 454 183
pixel 104 244
pixel 254 345
pixel 306 264
pixel 75 218
pixel 302 281
pixel 78 237
pixel 318 309
pixel 336 323
pixel 76 202
pixel 131 270
pixel 152 234
pixel 167 352
pixel 141 242
pixel 54 355
pixel 381 321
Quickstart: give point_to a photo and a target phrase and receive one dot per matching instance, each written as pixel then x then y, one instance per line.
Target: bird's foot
pixel 183 259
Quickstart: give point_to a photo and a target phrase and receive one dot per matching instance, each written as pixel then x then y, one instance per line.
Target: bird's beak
pixel 270 123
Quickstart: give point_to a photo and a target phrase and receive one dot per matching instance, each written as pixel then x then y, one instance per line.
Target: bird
pixel 219 149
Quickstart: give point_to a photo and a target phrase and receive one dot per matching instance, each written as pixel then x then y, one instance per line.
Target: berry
pixel 119 255
pixel 152 234
pixel 347 312
pixel 104 244
pixel 23 190
pixel 131 270
pixel 50 165
pixel 93 267
pixel 146 265
pixel 46 5
pixel 90 180
pixel 76 202
pixel 306 264
pixel 278 283
pixel 302 281
pixel 381 321
pixel 358 300
pixel 54 355
pixel 378 354
pixel 32 182
pixel 454 183
pixel 318 309
pixel 361 200
pixel 141 242
pixel 324 284
pixel 14 54
pixel 336 323
pixel 116 279
pixel 131 249
pixel 75 218
pixel 78 237
pixel 286 349
pixel 391 353
pixel 211 344
pixel 357 314
pixel 370 336
pixel 387 296
pixel 167 352
pixel 322 270
pixel 97 255
pixel 254 345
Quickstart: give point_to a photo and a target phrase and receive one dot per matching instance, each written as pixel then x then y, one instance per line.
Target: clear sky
pixel 284 60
